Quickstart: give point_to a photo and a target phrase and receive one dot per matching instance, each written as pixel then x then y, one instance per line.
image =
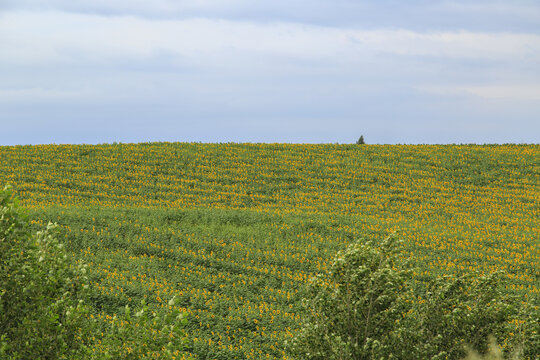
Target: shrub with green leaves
pixel 369 306
pixel 455 313
pixel 41 291
pixel 144 334
pixel 352 310
pixel 43 310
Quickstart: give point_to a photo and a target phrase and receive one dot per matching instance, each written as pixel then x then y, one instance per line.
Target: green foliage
pixel 456 312
pixel 369 307
pixel 145 334
pixel 494 352
pixel 236 230
pixel 352 310
pixel 526 339
pixel 41 291
pixel 43 310
pixel 360 141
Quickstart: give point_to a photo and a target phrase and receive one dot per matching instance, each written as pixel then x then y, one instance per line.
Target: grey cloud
pixel 71 78
pixel 314 105
pixel 419 15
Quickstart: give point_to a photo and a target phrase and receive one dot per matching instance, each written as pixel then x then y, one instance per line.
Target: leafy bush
pixel 369 307
pixel 455 313
pixel 145 334
pixel 41 291
pixel 351 311
pixel 43 310
pixel 494 353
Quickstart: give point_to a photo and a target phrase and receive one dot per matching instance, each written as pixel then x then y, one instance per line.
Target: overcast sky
pixel 317 71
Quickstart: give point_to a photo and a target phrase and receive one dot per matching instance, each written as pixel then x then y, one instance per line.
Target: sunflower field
pixel 235 231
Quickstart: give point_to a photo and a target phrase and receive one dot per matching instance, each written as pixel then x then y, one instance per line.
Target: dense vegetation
pixel 235 231
pixel 45 307
pixel 369 307
pixel 41 303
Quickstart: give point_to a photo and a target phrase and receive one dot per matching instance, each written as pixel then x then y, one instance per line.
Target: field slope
pixel 236 230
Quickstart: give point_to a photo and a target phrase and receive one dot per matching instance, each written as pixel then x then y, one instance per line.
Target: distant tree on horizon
pixel 360 141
